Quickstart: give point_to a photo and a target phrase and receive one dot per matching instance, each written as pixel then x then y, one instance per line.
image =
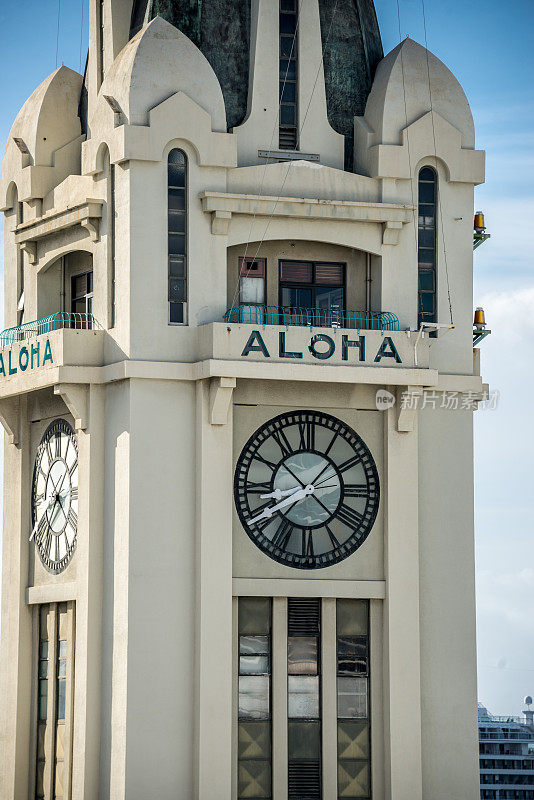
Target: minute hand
pixel 300 494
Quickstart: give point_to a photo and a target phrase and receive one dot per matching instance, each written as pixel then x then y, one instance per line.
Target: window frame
pixel 185 255
pixel 312 285
pixel 285 130
pixel 422 315
pixel 88 296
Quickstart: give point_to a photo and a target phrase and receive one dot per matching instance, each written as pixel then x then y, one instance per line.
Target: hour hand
pixel 279 493
pixel 50 503
pixel 294 497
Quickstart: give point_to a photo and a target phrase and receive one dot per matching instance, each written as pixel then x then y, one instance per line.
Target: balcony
pixel 312 318
pixel 288 340
pixel 55 322
pixel 44 352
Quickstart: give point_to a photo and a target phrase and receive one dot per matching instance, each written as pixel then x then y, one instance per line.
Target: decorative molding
pixel 407 404
pixel 76 398
pixel 10 418
pixel 220 222
pixel 86 214
pixel 51 593
pixel 30 248
pixel 221 390
pixel 92 224
pixel 222 205
pixel 391 231
pixel 288 587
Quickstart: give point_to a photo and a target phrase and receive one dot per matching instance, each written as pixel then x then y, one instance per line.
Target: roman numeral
pixel 307 435
pixel 351 462
pixel 335 542
pixel 259 488
pixel 307 543
pixel 281 440
pixel 72 469
pixel 72 519
pixel 269 464
pixel 56 549
pixel 47 544
pixel 334 437
pixel 349 516
pixel 356 490
pixel 41 529
pixel 49 452
pixel 74 493
pixel 282 535
pixel 58 445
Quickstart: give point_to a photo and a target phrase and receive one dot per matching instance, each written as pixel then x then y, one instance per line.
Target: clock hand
pixel 279 493
pixel 51 502
pixel 300 494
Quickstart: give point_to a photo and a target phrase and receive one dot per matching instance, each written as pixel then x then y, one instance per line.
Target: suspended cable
pixel 264 171
pixel 440 209
pixel 81 36
pixel 300 129
pixel 57 34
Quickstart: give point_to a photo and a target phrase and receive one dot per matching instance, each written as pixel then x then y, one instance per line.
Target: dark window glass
pixel 177 235
pixel 82 296
pixel 288 128
pixel 427 311
pixel 309 285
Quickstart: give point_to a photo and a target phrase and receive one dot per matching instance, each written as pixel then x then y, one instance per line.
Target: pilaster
pixel 402 669
pixel 213 735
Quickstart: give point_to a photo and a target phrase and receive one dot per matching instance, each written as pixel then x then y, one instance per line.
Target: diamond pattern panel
pixel 353 740
pixel 254 740
pixel 254 779
pixel 353 779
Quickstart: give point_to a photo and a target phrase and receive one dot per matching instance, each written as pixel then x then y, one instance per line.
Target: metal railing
pixel 55 322
pixel 313 317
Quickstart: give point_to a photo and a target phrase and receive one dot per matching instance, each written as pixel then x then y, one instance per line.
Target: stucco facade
pixel 162 412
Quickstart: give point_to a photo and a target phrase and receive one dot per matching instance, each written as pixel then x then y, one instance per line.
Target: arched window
pixel 427 251
pixel 177 222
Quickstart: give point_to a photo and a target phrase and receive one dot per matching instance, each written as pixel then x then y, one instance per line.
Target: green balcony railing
pixel 55 322
pixel 313 317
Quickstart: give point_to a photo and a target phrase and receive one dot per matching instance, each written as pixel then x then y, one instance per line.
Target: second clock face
pixel 306 489
pixel 55 496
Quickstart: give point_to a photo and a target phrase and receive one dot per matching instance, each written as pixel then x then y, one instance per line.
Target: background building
pixel 237 386
pixel 506 747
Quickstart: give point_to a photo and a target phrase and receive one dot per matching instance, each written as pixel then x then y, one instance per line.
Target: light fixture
pixel 478 224
pixel 479 321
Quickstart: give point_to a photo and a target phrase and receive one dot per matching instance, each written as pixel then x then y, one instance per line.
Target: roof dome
pixel 221 29
pixel 158 62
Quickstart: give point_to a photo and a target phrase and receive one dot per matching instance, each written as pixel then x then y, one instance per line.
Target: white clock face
pixel 55 496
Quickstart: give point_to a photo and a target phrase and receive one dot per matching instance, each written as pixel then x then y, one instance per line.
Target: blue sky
pixel 488 46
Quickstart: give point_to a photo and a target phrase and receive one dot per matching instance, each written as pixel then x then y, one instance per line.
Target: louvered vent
pixel 296 272
pixel 303 616
pixel 287 138
pixel 304 780
pixel 329 274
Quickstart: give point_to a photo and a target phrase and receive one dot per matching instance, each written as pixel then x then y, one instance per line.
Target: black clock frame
pixel 54 567
pixel 360 532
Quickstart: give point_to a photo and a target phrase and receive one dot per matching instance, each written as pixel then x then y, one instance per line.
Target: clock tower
pixel 237 384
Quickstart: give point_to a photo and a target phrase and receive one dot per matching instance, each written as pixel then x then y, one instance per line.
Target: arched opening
pixel 66 288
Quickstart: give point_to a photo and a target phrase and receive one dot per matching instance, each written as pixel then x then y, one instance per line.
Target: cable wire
pixel 81 36
pixel 300 130
pixel 440 209
pixel 57 34
pixel 260 193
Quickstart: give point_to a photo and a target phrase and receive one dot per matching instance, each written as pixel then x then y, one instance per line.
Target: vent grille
pixel 303 616
pixel 304 780
pixel 329 274
pixel 287 138
pixel 296 272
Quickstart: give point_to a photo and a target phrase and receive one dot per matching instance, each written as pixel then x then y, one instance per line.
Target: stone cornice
pixel 222 205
